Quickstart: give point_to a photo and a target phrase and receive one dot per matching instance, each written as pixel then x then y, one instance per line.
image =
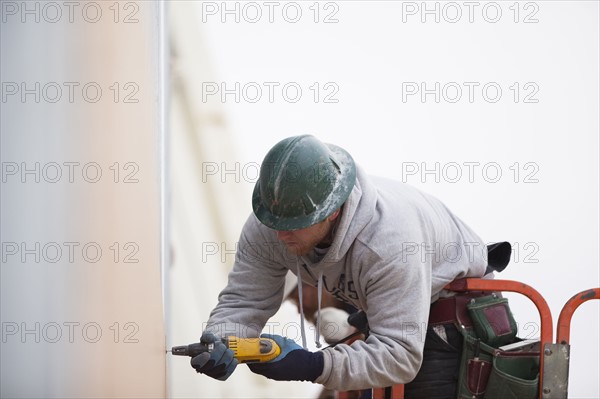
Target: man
pixel 382 246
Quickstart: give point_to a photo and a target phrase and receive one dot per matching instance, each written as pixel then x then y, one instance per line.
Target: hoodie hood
pixel 358 211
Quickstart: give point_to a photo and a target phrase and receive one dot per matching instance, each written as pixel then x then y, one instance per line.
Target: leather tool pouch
pixel 486 370
pixel 492 320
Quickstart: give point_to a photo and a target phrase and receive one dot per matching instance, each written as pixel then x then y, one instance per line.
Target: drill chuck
pixel 192 350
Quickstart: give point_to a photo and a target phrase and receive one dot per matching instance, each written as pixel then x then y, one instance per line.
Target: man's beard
pixel 299 249
pixel 304 247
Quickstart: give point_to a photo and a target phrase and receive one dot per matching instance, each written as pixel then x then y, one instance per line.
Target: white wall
pixel 367 59
pixel 86 323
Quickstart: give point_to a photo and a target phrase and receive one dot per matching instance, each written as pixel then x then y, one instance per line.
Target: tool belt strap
pixel 453 309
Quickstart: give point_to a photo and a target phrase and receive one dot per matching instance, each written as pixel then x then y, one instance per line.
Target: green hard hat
pixel 302 181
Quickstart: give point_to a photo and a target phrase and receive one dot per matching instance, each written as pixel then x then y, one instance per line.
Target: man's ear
pixel 334 215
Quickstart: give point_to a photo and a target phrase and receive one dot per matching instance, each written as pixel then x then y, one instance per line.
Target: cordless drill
pixel 245 350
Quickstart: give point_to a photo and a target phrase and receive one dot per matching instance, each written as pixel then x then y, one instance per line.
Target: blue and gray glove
pixel 294 363
pixel 219 363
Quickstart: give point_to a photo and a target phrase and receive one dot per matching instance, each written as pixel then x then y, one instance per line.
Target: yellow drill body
pixel 245 350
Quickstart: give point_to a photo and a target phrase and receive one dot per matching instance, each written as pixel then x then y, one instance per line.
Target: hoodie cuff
pixel 327 366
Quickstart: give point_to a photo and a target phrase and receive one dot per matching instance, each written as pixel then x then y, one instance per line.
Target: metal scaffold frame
pixel 554 357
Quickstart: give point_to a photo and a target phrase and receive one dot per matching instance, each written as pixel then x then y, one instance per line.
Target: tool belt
pixel 453 309
pixel 490 366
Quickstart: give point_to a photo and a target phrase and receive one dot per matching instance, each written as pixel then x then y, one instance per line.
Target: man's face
pixel 302 241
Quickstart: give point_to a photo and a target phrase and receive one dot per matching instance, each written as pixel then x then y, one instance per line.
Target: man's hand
pixel 219 363
pixel 293 363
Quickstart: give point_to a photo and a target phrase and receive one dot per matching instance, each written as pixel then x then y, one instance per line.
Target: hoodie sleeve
pixel 254 290
pixel 398 296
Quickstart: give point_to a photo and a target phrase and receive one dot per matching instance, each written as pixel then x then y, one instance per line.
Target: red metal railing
pixel 563 328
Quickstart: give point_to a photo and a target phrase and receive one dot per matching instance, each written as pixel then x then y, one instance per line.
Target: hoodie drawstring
pixel 301 307
pixel 319 296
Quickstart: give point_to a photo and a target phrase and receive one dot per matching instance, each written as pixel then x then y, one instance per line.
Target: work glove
pixel 219 363
pixel 294 363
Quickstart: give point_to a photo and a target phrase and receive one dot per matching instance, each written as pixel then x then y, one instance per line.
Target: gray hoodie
pixel 394 249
